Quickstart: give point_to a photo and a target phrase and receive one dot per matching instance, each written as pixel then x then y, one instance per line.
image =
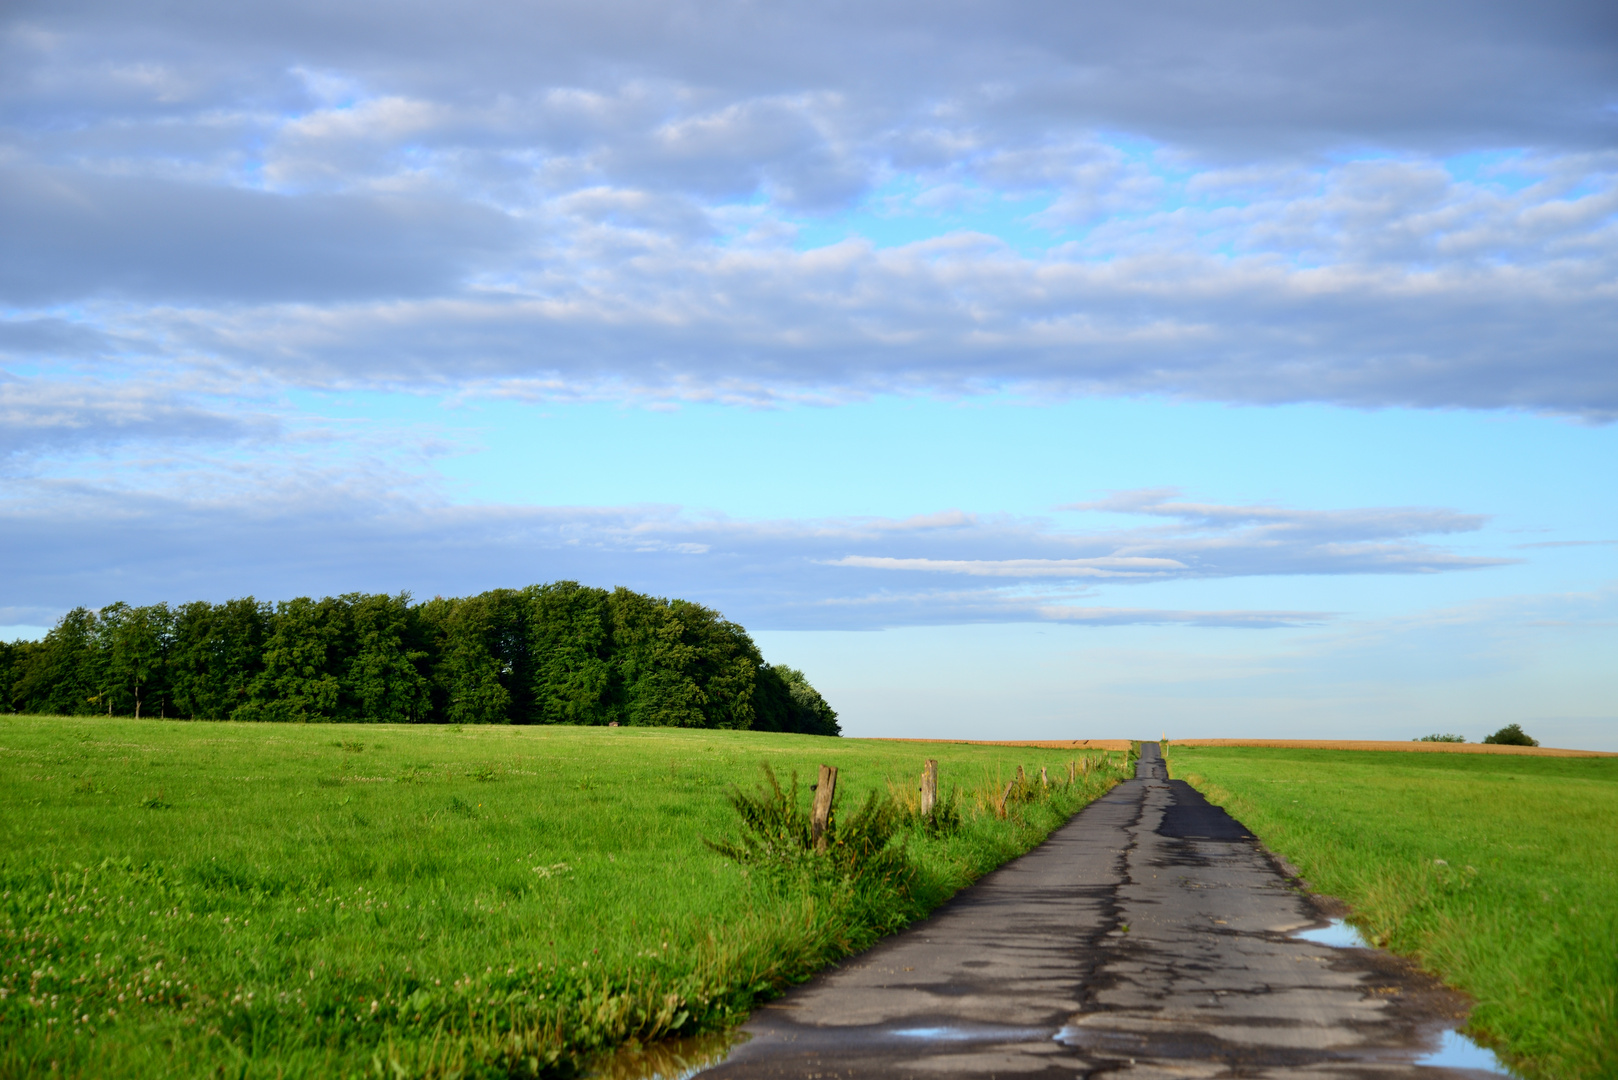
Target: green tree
pixel 14 658
pixel 784 701
pixel 218 651
pixel 136 643
pixel 1511 735
pixel 60 676
pixel 679 664
pixel 384 681
pixel 652 664
pixel 303 660
pixel 478 662
pixel 728 664
pixel 570 643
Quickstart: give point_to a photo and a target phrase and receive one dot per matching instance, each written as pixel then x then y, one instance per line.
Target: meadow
pixel 249 900
pixel 1497 873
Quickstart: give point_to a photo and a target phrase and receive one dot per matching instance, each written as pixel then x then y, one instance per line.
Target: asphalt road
pixel 1148 937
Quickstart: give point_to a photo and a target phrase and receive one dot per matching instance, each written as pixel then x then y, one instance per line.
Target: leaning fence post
pixel 1000 807
pixel 820 817
pixel 929 787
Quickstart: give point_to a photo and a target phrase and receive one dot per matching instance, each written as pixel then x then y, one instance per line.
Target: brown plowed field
pixel 1041 744
pixel 1406 747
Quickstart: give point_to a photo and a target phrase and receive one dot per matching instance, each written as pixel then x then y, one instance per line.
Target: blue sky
pixel 1011 369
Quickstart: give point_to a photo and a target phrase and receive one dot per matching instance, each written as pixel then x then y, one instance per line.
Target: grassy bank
pixel 290 900
pixel 1499 874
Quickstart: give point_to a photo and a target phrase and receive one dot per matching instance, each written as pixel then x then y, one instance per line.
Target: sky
pixel 1015 369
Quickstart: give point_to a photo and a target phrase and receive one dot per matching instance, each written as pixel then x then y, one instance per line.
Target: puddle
pixel 670 1059
pixel 968 1033
pixel 1455 1051
pixel 1339 935
pixel 933 1033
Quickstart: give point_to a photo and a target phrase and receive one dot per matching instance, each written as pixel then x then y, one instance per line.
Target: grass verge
pixel 1498 874
pixel 209 899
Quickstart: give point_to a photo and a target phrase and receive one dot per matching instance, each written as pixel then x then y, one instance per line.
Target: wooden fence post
pixel 1000 808
pixel 820 816
pixel 929 787
pixel 1044 780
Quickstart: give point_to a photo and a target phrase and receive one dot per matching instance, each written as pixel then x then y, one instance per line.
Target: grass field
pixel 202 899
pixel 1498 873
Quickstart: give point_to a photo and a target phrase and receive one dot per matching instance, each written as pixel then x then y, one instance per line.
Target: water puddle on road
pixel 1455 1051
pixel 1339 935
pixel 968 1033
pixel 670 1059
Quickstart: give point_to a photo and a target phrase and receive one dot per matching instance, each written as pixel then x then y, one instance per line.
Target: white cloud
pixel 40 416
pixel 1115 567
pixel 1252 620
pixel 318 526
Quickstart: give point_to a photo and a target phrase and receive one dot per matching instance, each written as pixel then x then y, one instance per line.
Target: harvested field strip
pixel 1396 747
pixel 1496 872
pixel 1111 745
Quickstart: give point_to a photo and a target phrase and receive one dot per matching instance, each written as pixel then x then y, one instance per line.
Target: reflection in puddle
pixel 1455 1051
pixel 670 1059
pixel 933 1033
pixel 1339 935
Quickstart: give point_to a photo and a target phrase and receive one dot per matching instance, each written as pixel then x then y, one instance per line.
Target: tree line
pixel 562 653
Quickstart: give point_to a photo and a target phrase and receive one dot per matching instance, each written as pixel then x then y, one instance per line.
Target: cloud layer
pixel 1383 205
pixel 851 573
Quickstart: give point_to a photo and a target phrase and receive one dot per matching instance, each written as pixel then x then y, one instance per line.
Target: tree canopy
pixel 562 653
pixel 1511 735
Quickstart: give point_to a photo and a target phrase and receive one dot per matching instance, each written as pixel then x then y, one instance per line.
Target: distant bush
pixel 1442 738
pixel 1511 735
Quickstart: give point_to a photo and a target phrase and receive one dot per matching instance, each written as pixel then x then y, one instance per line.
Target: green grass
pixel 1497 873
pixel 191 899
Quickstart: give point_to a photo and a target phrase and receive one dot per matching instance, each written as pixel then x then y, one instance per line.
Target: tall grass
pixel 182 899
pixel 1499 874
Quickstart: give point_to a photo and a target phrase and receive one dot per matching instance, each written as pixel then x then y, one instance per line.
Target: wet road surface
pixel 1148 937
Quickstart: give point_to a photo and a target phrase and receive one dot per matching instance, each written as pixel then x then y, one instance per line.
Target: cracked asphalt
pixel 1148 937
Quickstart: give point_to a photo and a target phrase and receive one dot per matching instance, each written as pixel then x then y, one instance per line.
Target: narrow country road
pixel 1148 937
